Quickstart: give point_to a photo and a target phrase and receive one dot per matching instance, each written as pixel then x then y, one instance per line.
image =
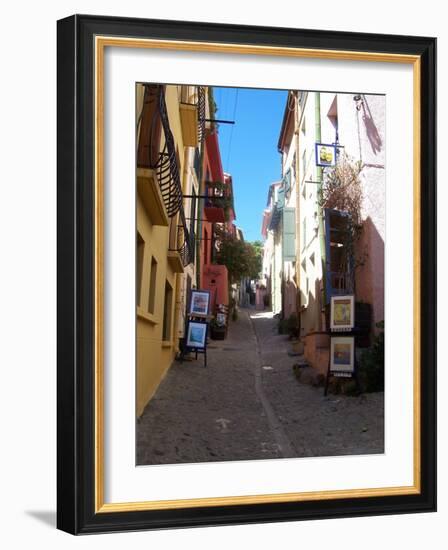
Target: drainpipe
pixel 298 114
pixel 320 211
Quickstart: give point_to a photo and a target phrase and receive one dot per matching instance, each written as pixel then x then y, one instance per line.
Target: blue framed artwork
pixel 196 335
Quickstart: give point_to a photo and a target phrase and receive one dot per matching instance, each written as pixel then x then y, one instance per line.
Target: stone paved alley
pixel 247 404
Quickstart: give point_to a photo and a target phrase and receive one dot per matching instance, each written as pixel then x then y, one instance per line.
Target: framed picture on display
pixel 200 300
pixel 196 335
pixel 342 313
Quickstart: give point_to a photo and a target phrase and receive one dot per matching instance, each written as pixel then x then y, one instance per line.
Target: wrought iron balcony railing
pixel 187 248
pixel 340 282
pixel 182 240
pixel 161 159
pixel 201 113
pixel 157 151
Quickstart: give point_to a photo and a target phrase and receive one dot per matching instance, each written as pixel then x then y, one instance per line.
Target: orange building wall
pixel 215 279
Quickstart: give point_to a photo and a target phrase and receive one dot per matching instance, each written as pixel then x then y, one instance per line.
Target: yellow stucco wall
pixel 154 356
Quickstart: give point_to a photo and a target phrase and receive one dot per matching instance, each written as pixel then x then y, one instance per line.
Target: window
pixel 188 293
pixel 150 128
pixel 193 220
pixel 140 249
pixel 152 285
pixel 333 117
pixel 167 313
pixel 206 245
pixel 289 235
pixel 339 253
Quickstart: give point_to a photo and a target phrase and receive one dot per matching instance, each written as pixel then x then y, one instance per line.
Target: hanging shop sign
pixel 325 154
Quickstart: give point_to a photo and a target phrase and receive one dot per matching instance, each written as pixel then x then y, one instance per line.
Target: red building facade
pixel 217 218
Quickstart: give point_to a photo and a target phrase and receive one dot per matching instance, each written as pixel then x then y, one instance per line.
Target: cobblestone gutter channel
pixel 284 445
pixel 247 404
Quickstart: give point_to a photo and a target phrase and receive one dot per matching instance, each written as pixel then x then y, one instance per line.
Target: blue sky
pixel 249 149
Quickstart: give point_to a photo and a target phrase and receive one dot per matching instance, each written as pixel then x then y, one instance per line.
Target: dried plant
pixel 342 189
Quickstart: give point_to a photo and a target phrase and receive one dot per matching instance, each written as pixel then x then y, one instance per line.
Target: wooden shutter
pixel 289 235
pixel 338 279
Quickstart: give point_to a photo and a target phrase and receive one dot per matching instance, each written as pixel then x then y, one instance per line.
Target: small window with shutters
pixel 152 285
pixel 140 251
pixel 167 312
pixel 289 235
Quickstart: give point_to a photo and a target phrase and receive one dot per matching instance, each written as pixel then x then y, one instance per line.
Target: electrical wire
pixel 231 130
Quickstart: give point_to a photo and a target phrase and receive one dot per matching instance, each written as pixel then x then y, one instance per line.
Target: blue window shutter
pixel 328 287
pixel 336 282
pixel 289 235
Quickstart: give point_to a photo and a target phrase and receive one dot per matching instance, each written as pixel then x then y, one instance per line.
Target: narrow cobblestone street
pixel 247 404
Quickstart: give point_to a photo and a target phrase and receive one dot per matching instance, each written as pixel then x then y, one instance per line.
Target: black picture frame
pixel 77 509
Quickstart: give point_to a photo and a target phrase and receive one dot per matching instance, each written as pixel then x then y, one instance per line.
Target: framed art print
pixel 271 181
pixel 196 335
pixel 199 304
pixel 342 354
pixel 342 313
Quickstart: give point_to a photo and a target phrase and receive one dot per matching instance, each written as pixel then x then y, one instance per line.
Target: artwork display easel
pixel 342 357
pixel 196 329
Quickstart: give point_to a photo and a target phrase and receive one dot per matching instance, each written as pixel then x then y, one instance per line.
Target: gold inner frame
pixel 101 42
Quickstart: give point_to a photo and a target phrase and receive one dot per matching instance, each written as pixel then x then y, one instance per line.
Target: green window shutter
pixel 287 182
pixel 281 198
pixel 289 235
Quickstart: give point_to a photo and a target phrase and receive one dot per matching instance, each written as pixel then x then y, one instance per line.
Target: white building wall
pixel 362 133
pixel 309 244
pixel 289 302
